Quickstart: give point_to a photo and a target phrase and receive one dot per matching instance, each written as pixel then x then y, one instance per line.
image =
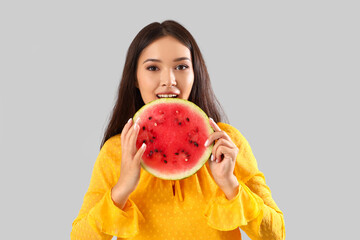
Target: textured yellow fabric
pixel 192 208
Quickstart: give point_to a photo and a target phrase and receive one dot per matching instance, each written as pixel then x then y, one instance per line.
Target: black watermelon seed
pixel 156 150
pixel 143 127
pixel 190 141
pixel 164 155
pixel 153 137
pixel 196 144
pixel 187 119
pixel 176 153
pixel 151 153
pixel 182 150
pixel 179 123
pixel 150 118
pixel 165 161
pixel 144 141
pixel 151 140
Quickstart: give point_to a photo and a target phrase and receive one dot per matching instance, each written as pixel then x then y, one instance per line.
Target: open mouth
pixel 167 95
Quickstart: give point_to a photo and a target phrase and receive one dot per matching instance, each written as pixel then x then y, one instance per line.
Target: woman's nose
pixel 168 78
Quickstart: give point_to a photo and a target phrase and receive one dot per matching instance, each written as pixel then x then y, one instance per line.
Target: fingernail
pixel 143 145
pixel 206 143
pixel 212 119
pixel 137 123
pixel 212 157
pixel 129 120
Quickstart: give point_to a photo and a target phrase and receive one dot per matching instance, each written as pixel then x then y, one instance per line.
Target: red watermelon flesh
pixel 174 131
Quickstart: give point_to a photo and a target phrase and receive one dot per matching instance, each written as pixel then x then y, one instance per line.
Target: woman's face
pixel 165 69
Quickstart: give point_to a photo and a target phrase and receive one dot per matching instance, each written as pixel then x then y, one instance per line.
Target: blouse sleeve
pixel 252 209
pixel 99 217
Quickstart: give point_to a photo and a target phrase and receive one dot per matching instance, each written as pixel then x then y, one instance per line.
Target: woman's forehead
pixel 165 49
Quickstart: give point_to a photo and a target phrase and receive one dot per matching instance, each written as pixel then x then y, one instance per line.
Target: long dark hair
pixel 129 99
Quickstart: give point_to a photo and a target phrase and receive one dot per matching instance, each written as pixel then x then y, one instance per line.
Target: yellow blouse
pixel 191 208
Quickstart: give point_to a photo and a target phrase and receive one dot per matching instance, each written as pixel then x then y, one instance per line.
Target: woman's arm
pixel 99 217
pixel 252 209
pixel 272 220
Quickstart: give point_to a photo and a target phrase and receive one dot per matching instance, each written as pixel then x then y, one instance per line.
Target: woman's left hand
pixel 222 162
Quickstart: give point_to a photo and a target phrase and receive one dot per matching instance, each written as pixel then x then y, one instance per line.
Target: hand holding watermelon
pixel 130 163
pixel 222 161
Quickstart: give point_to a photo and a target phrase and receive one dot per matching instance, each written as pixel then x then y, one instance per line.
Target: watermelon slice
pixel 175 131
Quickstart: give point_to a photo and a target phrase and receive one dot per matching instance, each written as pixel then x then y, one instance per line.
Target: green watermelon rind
pixel 204 157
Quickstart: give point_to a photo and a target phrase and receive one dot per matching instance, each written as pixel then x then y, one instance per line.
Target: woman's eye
pixel 152 68
pixel 181 67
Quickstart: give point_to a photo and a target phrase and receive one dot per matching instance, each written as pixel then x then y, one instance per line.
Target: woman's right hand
pixel 130 163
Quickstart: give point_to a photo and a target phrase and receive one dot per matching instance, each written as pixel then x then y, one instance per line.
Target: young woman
pixel 227 193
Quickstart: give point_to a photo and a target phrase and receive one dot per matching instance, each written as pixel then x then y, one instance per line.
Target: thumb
pixel 139 153
pixel 211 162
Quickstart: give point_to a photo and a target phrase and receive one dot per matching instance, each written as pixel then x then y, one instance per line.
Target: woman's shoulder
pixel 236 136
pixel 234 133
pixel 246 165
pixel 112 148
pixel 113 141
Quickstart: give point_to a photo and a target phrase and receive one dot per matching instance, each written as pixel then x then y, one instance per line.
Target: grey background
pixel 286 73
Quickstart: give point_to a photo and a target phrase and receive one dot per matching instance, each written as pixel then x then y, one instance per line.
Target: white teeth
pixel 167 95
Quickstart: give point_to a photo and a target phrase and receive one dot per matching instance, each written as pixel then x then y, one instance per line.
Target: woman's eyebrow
pixel 181 58
pixel 151 60
pixel 157 60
